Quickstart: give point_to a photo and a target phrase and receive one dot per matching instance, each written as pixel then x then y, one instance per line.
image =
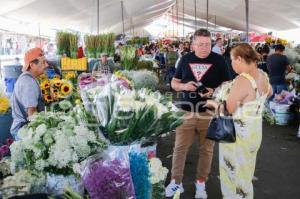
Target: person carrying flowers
pixel 27 97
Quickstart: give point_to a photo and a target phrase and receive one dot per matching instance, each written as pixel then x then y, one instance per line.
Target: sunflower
pixel 48 98
pixel 56 77
pixel 66 89
pixel 57 82
pixel 44 91
pixel 45 84
pixel 43 77
pixel 54 90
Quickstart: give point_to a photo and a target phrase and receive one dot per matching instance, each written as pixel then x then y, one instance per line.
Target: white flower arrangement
pixel 157 171
pixel 54 142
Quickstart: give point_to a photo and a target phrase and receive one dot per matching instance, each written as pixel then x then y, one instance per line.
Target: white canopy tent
pixel 81 15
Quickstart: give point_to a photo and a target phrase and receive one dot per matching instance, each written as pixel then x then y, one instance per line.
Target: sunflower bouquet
pixel 57 89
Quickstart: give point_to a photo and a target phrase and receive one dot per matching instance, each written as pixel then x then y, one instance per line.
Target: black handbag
pixel 221 127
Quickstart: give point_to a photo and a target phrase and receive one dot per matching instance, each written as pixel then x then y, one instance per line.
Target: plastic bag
pixel 56 184
pixel 108 176
pixel 140 173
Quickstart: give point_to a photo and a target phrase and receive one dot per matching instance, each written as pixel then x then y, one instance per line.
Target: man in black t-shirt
pixel 277 64
pixel 210 69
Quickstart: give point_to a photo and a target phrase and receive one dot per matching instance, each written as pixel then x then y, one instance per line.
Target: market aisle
pixel 277 170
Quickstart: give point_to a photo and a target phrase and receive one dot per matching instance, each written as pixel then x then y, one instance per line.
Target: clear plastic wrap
pixel 107 175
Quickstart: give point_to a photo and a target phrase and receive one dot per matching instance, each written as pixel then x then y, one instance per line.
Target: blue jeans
pixel 277 88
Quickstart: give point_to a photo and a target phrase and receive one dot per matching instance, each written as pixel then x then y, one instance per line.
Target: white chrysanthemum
pixel 40 164
pixel 17 152
pixel 157 171
pixel 222 92
pixel 61 156
pixel 155 164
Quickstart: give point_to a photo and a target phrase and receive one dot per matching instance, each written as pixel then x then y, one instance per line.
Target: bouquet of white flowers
pixel 55 142
pixel 158 175
pixel 222 91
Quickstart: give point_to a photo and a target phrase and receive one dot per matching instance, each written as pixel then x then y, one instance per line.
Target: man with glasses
pixel 199 67
pixel 27 97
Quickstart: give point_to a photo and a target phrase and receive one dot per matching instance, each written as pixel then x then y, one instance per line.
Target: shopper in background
pixel 278 64
pixel 218 48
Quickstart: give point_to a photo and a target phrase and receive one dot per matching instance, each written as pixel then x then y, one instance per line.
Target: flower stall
pixel 91 142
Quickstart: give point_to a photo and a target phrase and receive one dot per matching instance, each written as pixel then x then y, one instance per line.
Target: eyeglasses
pixel 201 45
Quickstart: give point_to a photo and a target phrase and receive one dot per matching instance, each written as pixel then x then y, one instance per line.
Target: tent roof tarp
pixel 81 15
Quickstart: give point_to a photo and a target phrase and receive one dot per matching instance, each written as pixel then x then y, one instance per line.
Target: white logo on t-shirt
pixel 199 70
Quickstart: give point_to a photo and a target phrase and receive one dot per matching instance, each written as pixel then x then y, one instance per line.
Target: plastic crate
pixel 74 64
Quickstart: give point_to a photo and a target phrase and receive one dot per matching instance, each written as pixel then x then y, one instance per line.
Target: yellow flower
pixel 43 77
pixel 44 92
pixel 56 77
pixel 56 82
pixel 45 84
pixel 48 98
pixel 70 75
pixel 66 89
pixel 4 104
pixel 77 101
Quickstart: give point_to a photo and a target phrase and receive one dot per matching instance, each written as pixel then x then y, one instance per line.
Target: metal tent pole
pixel 183 18
pixel 177 16
pixel 122 8
pixel 98 16
pixel 207 14
pixel 195 4
pixel 247 20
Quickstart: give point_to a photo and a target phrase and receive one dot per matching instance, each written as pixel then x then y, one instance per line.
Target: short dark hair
pixel 218 39
pixel 279 47
pixel 201 33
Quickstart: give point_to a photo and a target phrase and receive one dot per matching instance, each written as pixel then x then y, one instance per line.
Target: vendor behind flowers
pixel 27 97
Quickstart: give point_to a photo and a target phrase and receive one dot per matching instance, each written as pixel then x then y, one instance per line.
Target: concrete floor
pixel 277 168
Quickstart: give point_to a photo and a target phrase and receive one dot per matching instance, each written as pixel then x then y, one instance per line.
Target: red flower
pixel 9 141
pixel 4 149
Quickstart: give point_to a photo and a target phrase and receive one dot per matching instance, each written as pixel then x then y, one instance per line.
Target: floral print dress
pixel 237 160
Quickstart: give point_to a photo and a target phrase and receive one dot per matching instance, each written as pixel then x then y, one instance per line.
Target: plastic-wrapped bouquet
pixel 108 176
pixel 142 79
pixel 130 115
pixel 140 174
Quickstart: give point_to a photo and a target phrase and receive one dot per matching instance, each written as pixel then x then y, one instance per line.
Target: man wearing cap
pixel 104 66
pixel 27 97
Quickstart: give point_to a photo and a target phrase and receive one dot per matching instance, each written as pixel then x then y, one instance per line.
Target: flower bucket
pixel 282 114
pixel 5 124
pixel 55 184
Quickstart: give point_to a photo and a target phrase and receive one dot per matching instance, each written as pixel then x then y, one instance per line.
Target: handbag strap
pixel 225 112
